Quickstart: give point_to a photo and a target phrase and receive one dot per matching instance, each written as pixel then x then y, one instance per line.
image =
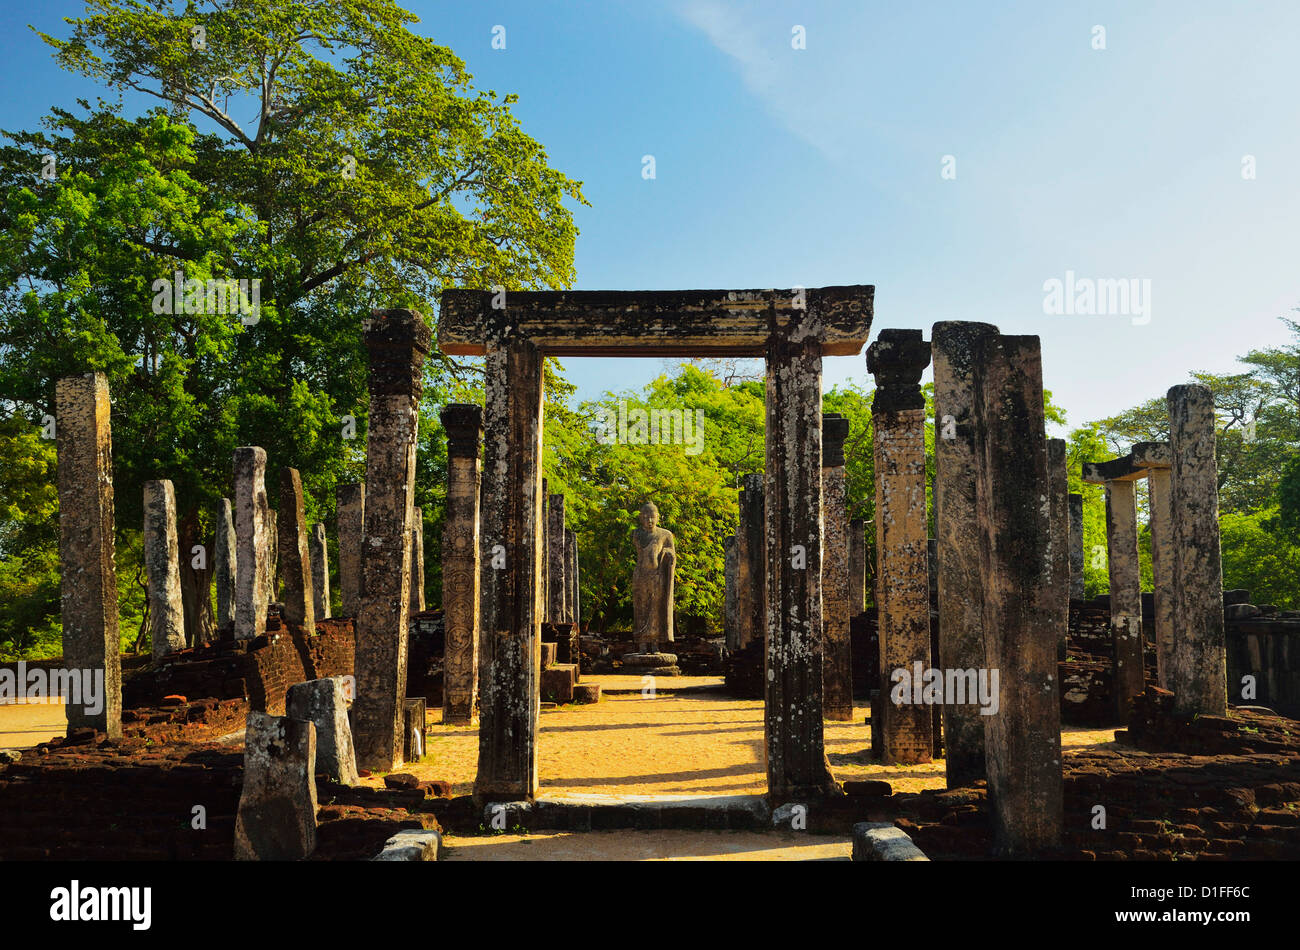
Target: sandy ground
pixel 703 743
pixel 22 725
pixel 649 846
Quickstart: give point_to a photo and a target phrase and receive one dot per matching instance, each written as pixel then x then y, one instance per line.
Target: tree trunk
pixel 196 583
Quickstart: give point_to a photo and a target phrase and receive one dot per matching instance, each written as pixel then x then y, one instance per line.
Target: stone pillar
pixel 1162 568
pixel 729 591
pixel 88 568
pixel 320 571
pixel 796 759
pixel 1125 593
pixel 544 589
pixel 162 569
pixel 751 564
pixel 272 560
pixel 1058 500
pixel 463 424
pixel 1198 671
pixel 323 703
pixel 276 820
pixel 571 574
pixel 223 564
pixel 556 585
pixel 417 561
pixel 251 535
pixel 897 359
pixel 961 585
pixel 837 675
pixel 398 341
pixel 295 559
pixel 1023 738
pixel 351 500
pixel 1076 547
pixel 857 566
pixel 513 540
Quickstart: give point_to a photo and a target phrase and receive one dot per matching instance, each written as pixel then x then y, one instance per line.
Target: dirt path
pixel 22 725
pixel 703 743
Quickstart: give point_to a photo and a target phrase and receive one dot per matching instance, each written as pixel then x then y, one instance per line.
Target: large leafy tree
pixel 324 150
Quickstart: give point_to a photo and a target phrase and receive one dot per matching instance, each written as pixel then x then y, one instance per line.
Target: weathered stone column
pixel 272 560
pixel 1076 547
pixel 87 565
pixel 223 564
pixel 513 540
pixel 351 500
pixel 751 564
pixel 1162 556
pixel 544 589
pixel 417 561
pixel 1023 738
pixel 1198 673
pixel 463 424
pixel 1058 577
pixel 857 566
pixel 961 585
pixel 837 675
pixel 556 584
pixel 792 714
pixel 251 536
pixel 398 341
pixel 295 559
pixel 162 569
pixel 320 571
pixel 1125 593
pixel 729 591
pixel 897 359
pixel 571 574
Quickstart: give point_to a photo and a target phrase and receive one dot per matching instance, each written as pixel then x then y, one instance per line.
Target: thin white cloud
pixel 770 69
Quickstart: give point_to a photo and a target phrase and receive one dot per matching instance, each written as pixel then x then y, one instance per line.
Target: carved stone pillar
pixel 897 359
pixel 398 341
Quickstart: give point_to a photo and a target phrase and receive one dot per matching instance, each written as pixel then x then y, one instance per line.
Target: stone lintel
pixel 657 322
pixel 1144 457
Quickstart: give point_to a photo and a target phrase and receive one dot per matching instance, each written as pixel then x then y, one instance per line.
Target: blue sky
pixel 778 166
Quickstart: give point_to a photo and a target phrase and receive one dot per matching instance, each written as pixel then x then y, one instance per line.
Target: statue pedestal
pixel 651 664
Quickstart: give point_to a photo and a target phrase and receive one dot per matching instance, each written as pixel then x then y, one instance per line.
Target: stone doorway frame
pixel 792 330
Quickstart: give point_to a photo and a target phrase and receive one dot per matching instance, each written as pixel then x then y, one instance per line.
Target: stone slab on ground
pixel 663 845
pixel 879 841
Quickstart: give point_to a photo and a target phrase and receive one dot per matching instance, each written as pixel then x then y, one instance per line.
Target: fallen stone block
pixel 879 841
pixel 586 692
pixel 411 846
pixel 276 820
pixel 324 703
